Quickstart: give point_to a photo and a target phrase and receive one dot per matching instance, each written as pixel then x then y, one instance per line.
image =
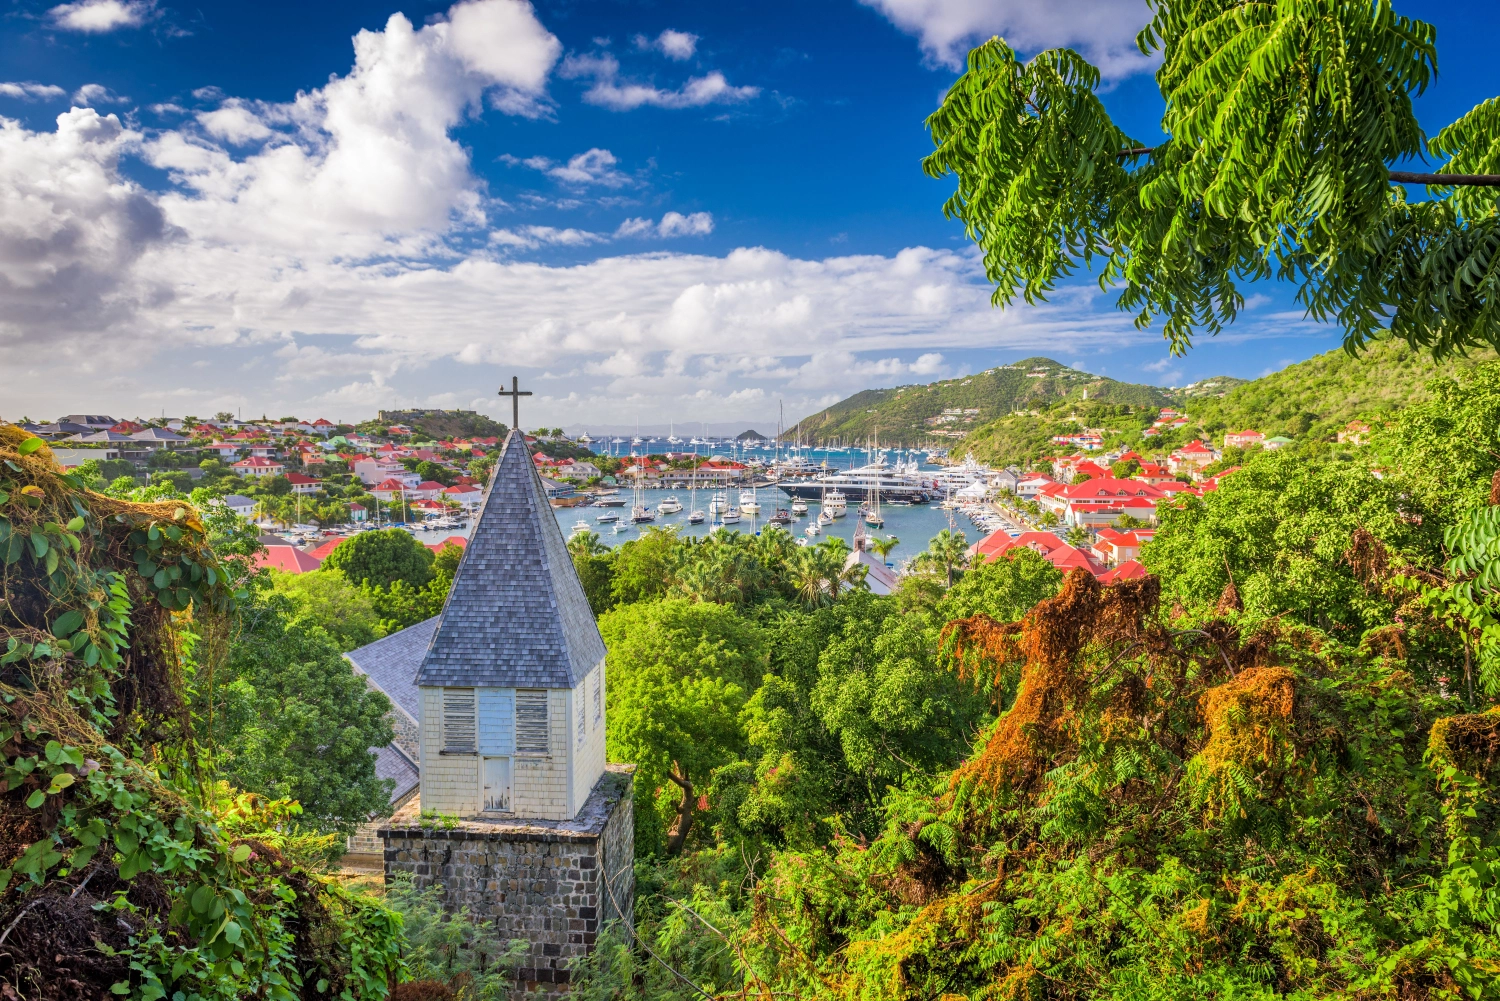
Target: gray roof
pixel 391 665
pixel 158 434
pixel 392 763
pixel 516 616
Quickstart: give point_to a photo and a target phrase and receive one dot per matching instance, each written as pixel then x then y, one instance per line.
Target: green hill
pixel 931 414
pixel 1312 398
pixel 1322 394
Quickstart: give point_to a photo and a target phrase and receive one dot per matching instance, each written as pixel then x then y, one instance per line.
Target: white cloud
pixel 366 164
pixel 672 224
pixel 32 91
pixel 678 45
pixel 594 166
pixel 71 227
pixel 91 94
pixel 98 16
pixel 530 237
pixel 1103 30
pixel 609 91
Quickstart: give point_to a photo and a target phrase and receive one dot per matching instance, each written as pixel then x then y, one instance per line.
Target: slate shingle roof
pixel 392 763
pixel 391 665
pixel 516 616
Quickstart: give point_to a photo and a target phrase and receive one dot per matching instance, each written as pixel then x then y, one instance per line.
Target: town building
pixel 258 466
pixel 303 484
pixel 1243 439
pixel 509 710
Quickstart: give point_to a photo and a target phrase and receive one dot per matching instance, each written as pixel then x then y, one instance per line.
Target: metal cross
pixel 515 393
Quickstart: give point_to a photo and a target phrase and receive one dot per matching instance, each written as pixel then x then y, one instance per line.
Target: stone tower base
pixel 550 883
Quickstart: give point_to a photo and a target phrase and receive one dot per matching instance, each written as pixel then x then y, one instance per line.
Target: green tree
pixel 380 559
pixel 946 554
pixel 1280 529
pixel 680 672
pixel 327 598
pixel 594 562
pixel 1005 587
pixel 287 717
pixel 883 547
pixel 1281 123
pixel 1124 469
pixel 646 568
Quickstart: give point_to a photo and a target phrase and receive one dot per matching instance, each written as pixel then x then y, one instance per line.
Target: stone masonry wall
pixel 539 881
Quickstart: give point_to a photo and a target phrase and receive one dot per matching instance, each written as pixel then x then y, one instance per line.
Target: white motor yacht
pixel 731 517
pixel 718 503
pixel 812 531
pixel 608 518
pixel 622 526
pixel 669 505
pixel 748 502
pixel 580 526
pixel 825 517
pixel 696 517
pixel 799 507
pixel 835 503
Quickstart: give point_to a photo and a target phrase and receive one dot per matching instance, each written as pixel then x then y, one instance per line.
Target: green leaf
pixel 61 781
pixel 39 544
pixel 126 841
pixel 67 623
pixel 36 799
pixel 203 899
pixel 52 751
pixel 120 987
pixel 30 445
pixel 133 864
pixel 160 580
pixel 76 525
pixel 232 932
pixel 240 853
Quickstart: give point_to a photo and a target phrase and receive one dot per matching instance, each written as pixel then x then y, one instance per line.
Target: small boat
pixel 799 507
pixel 801 542
pixel 607 519
pixel 873 518
pixel 580 526
pixel 695 517
pixel 731 517
pixel 641 513
pixel 899 503
pixel 609 500
pixel 669 505
pixel 781 517
pixel 622 526
pixel 812 531
pixel 835 503
pixel 825 518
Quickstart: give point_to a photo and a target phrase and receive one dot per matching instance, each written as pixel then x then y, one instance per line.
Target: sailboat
pixel 672 438
pixel 695 517
pixel 640 512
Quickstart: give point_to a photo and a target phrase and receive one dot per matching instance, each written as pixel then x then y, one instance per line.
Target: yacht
pixel 672 438
pixel 669 505
pixel 901 482
pixel 812 531
pixel 748 502
pixel 718 503
pixel 610 499
pixel 799 507
pixel 731 516
pixel 584 439
pixel 825 517
pixel 580 526
pixel 695 517
pixel 781 517
pixel 641 513
pixel 622 526
pixel 835 503
pixel 607 519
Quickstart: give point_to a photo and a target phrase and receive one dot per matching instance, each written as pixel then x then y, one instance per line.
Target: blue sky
pixel 654 210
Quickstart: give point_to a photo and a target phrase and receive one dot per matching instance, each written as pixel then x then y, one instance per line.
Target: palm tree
pixel 586 544
pixel 947 552
pixel 883 547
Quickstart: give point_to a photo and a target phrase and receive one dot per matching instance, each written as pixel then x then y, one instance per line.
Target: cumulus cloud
pixel 71 227
pixel 594 166
pixel 608 90
pixel 99 16
pixel 672 224
pixel 91 94
pixel 32 91
pixel 531 237
pixel 366 164
pixel 678 45
pixel 1103 30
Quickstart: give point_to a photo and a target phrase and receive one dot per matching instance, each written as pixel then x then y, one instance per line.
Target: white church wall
pixel 541 780
pixel 588 753
pixel 450 782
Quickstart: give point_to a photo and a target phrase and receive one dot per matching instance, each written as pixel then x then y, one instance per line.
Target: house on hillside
pixel 1045 544
pixel 1191 457
pixel 1244 439
pixel 258 466
pixel 1354 433
pixel 303 484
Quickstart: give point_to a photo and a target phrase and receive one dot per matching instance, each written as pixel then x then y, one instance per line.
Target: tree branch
pixel 1447 180
pixel 1396 176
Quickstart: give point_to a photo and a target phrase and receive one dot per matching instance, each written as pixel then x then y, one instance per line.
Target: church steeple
pixel 516 616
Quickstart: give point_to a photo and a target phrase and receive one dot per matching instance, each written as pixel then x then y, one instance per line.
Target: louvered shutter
pixel 531 721
pixel 458 721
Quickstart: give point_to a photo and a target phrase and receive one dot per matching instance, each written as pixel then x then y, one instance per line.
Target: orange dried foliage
pixel 1247 719
pixel 1049 640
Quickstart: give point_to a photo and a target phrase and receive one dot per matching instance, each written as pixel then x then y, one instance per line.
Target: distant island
pixel 751 436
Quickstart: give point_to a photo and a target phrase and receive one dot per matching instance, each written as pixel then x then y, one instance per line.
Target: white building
pixel 512 685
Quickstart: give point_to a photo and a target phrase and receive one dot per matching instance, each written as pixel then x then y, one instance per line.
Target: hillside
pixel 1315 397
pixel 436 424
pixel 918 414
pixel 1325 392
